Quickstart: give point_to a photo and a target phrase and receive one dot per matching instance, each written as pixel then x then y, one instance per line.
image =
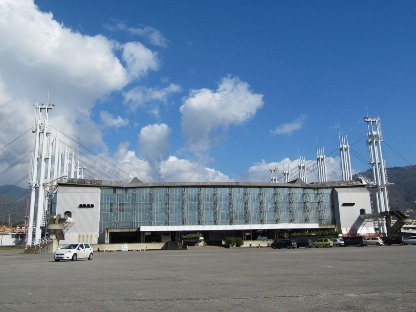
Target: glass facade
pixel 185 206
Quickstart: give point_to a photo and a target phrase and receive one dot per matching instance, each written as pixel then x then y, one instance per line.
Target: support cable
pixel 15 164
pixel 91 152
pixel 97 164
pixel 397 153
pixel 15 139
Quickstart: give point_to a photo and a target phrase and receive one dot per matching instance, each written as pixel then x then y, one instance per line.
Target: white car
pixel 74 252
pixel 375 241
pixel 411 240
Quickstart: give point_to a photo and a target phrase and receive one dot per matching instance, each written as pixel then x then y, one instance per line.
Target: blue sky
pixel 214 90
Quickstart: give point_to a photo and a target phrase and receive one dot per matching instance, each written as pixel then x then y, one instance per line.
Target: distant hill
pixel 13 191
pixel 402 193
pixel 12 204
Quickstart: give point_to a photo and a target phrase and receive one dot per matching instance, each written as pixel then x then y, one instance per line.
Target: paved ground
pixel 214 279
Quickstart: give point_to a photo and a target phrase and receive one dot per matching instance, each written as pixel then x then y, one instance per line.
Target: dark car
pixel 284 243
pixel 395 240
pixel 358 241
pixel 307 243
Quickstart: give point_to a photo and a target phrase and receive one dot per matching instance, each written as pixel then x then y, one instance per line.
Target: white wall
pixel 86 220
pixel 10 239
pixel 348 217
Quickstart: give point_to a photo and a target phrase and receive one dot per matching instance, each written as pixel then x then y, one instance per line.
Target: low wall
pixel 45 248
pixel 257 243
pixel 128 247
pixel 12 247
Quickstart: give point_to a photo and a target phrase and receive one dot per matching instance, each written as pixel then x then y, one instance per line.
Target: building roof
pixel 136 183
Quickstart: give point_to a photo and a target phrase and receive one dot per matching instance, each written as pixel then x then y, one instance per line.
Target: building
pixel 113 212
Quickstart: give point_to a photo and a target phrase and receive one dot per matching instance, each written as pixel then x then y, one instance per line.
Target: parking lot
pixel 214 279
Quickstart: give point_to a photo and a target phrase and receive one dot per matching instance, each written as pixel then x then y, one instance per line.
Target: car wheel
pixel 358 245
pixel 74 257
pixel 56 260
pixel 378 244
pixel 274 247
pixel 90 256
pixel 306 246
pixel 400 244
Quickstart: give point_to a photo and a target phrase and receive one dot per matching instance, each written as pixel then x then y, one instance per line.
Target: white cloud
pixel 206 114
pixel 182 170
pixel 172 169
pixel 130 163
pixel 289 127
pixel 153 35
pixel 259 172
pixel 154 143
pixel 110 121
pixel 39 56
pixel 139 59
pixel 141 95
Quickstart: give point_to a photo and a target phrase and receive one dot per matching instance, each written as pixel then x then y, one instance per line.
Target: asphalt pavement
pixel 213 279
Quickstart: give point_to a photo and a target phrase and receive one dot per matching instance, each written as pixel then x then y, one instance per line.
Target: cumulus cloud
pixel 207 114
pixel 171 169
pixel 128 161
pixel 289 127
pixel 139 59
pixel 154 36
pixel 110 121
pixel 154 143
pixel 260 172
pixel 39 56
pixel 182 170
pixel 141 95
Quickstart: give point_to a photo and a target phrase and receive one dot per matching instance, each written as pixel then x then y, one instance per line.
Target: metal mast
pixel 40 129
pixel 344 150
pixel 302 169
pixel 273 172
pixel 286 173
pixel 321 163
pixel 374 139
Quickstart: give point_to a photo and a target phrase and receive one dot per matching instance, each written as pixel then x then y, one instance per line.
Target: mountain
pixel 402 191
pixel 13 191
pixel 12 204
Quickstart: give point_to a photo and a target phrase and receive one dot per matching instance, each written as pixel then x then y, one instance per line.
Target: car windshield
pixel 70 246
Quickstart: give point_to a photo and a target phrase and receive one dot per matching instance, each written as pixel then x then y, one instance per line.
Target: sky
pixel 209 91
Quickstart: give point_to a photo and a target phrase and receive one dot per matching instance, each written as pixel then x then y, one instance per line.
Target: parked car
pixel 307 243
pixel 395 240
pixel 74 252
pixel 358 241
pixel 323 242
pixel 339 242
pixel 411 240
pixel 284 243
pixel 375 241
